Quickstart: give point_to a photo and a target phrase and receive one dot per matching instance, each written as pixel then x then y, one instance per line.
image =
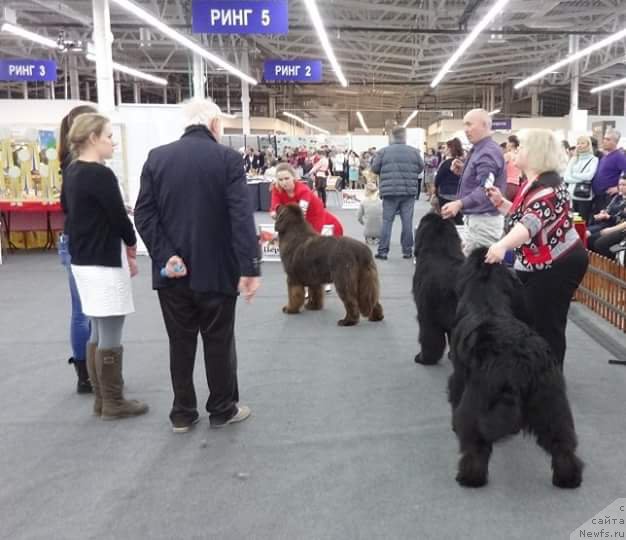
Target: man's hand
pixel 175 268
pixel 457 167
pixel 451 209
pixel 248 287
pixel 602 215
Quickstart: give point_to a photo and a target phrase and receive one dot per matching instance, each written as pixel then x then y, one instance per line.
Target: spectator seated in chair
pixel 609 225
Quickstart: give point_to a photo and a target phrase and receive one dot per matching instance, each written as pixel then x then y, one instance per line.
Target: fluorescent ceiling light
pixel 572 58
pixel 490 16
pixel 298 119
pixel 362 122
pixel 619 82
pixel 180 38
pixel 23 33
pixel 316 19
pixel 408 120
pixel 132 71
pixel 494 112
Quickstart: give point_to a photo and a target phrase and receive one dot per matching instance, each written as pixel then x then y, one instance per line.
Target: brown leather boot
pixel 93 377
pixel 109 367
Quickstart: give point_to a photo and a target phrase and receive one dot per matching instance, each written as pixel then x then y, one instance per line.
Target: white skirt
pixel 105 291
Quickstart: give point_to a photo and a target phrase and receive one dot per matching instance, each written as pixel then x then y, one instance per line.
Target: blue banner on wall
pixel 240 17
pixel 292 70
pixel 501 123
pixel 28 70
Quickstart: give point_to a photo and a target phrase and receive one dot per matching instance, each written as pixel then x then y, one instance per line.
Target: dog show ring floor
pixel 348 439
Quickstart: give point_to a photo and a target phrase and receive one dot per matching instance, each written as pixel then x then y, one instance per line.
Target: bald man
pixel 483 223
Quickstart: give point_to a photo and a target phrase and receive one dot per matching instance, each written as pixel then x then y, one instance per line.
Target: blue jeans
pixel 393 206
pixel 80 328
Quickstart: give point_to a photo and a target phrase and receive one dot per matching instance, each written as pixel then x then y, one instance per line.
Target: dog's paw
pixel 567 471
pixel 419 359
pixel 468 480
pixel 472 471
pixel 346 322
pixel 289 311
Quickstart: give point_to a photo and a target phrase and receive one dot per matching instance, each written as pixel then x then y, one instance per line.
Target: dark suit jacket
pixel 194 203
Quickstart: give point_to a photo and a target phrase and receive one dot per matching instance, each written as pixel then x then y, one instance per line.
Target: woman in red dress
pixel 288 190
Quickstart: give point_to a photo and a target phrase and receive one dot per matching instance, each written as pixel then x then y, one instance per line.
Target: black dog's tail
pixel 503 418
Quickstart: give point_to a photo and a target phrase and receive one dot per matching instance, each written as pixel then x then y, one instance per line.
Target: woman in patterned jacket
pixel 550 257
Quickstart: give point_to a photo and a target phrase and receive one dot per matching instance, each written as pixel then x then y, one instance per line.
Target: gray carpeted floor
pixel 349 438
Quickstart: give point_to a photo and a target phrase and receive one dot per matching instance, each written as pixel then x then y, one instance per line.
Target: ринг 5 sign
pixel 28 70
pixel 240 17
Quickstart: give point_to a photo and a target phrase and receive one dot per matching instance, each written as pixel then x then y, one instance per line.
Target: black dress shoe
pixel 380 257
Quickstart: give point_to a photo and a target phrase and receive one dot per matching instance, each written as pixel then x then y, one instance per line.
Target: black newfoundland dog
pixel 311 260
pixel 438 259
pixel 505 378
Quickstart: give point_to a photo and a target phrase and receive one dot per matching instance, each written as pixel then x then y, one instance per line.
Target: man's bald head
pixel 477 124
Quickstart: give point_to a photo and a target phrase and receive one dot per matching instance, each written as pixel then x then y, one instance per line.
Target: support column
pixel 87 91
pixel 575 75
pixel 599 103
pixel 74 81
pixel 165 95
pixel 272 106
pixel 198 77
pixel 136 92
pixel 228 94
pixel 118 90
pixel 534 102
pixel 245 97
pixel 51 90
pixel 103 39
pixel 25 89
pixel 507 98
pixel 611 100
pixel 179 94
pixel 624 102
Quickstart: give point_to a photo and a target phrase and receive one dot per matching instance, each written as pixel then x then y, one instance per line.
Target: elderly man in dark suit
pixel 195 217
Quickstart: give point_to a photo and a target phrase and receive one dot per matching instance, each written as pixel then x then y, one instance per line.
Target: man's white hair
pixel 614 134
pixel 484 115
pixel 200 111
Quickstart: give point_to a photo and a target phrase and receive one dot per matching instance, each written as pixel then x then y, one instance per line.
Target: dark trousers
pixel 187 313
pixel 549 293
pixel 601 244
pixel 321 193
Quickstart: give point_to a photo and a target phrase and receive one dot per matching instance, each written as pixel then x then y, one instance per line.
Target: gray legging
pixel 106 332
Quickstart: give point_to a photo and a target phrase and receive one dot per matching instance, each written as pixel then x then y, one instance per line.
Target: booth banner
pixel 351 199
pixel 240 17
pixel 502 124
pixel 269 243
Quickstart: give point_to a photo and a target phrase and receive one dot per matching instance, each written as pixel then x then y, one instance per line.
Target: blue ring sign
pixel 292 71
pixel 28 70
pixel 240 17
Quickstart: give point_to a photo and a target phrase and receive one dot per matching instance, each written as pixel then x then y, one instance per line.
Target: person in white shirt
pixel 578 176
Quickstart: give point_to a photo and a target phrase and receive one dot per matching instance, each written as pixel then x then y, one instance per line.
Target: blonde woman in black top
pixel 103 250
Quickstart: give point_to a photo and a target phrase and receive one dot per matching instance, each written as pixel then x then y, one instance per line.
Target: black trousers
pixel 601 244
pixel 549 293
pixel 186 314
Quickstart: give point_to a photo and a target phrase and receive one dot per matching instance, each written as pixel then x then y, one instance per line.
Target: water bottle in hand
pixel 177 268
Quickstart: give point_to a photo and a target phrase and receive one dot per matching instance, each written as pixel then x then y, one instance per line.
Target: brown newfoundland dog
pixel 311 260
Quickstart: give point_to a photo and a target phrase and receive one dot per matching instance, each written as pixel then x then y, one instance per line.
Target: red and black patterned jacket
pixel 543 207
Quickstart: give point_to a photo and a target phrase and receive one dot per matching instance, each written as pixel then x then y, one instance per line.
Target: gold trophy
pixel 44 182
pixel 15 186
pixel 25 159
pixel 54 172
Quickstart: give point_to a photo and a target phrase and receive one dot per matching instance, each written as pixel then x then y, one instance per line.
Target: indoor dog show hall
pixel 312 269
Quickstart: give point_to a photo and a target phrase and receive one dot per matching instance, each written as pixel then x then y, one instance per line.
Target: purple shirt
pixel 610 169
pixel 485 157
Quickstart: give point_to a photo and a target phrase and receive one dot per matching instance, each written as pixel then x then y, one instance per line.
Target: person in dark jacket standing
pixel 399 167
pixel 79 323
pixel 195 217
pixel 446 181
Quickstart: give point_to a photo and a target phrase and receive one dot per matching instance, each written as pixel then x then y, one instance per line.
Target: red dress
pixel 311 205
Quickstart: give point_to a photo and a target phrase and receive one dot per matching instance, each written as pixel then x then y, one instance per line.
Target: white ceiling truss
pixel 389 50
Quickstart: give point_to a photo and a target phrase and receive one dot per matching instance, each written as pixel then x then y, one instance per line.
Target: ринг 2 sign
pixel 292 70
pixel 240 17
pixel 28 70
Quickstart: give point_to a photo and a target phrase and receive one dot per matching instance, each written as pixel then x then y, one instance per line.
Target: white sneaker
pixel 243 412
pixel 328 289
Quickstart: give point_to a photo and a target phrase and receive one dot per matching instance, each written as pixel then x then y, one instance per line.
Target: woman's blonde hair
pixel 544 152
pixel 83 127
pixel 282 167
pixel 586 141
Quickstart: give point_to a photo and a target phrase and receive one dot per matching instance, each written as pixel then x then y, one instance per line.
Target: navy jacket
pixel 194 203
pixel 399 167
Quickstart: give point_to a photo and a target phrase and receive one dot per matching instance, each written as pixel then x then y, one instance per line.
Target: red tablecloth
pixel 32 216
pixel 29 207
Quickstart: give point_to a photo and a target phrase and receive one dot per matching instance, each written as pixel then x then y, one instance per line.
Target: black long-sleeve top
pixel 95 216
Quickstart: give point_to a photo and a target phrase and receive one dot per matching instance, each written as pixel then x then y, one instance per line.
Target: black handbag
pixel 582 190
